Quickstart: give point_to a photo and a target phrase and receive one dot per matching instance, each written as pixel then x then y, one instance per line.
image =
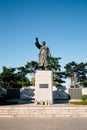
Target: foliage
pixel 30 67
pixel 17 77
pixel 21 76
pixel 55 67
pixel 33 81
pixel 2 97
pixel 82 74
pixel 7 77
pixel 84 97
pixel 70 71
pixel 77 74
pixel 10 78
pixel 78 102
pixel 53 64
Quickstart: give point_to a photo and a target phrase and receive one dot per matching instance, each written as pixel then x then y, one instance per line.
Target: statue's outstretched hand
pixel 37 39
pixel 37 43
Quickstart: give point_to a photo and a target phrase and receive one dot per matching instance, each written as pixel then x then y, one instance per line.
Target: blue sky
pixel 61 23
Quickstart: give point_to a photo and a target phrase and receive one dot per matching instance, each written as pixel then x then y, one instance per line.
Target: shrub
pixel 2 97
pixel 84 97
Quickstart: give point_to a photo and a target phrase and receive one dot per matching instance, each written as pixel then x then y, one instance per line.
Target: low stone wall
pixel 60 93
pixel 84 90
pixel 29 93
pixel 75 93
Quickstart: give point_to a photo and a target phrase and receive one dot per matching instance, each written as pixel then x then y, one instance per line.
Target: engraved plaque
pixel 43 85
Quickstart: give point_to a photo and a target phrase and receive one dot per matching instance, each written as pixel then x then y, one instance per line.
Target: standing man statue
pixel 44 54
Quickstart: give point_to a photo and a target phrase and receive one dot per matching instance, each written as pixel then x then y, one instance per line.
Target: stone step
pixel 43 111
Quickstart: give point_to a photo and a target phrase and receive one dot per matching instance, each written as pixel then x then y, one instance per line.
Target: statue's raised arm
pixel 37 43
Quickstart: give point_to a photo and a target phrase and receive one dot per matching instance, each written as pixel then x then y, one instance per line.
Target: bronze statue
pixel 44 54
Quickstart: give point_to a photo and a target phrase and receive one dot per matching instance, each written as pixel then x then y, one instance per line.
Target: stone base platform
pixel 42 111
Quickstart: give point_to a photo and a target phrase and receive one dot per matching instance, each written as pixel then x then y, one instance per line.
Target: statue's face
pixel 43 43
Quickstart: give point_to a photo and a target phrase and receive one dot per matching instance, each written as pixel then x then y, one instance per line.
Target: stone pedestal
pixel 43 87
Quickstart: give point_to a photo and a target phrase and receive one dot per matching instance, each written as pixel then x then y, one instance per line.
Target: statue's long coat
pixel 43 55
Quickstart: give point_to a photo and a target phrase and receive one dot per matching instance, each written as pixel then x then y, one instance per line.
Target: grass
pixel 78 102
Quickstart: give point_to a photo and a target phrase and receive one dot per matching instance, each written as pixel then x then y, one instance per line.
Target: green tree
pixel 82 74
pixel 31 67
pixel 55 67
pixel 21 76
pixel 33 81
pixel 77 74
pixel 7 77
pixel 11 78
pixel 70 72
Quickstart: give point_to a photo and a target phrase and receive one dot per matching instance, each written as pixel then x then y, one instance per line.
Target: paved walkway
pixel 43 123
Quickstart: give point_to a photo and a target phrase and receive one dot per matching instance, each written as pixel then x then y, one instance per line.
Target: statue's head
pixel 43 43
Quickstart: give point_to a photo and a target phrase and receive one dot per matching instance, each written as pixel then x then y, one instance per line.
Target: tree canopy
pixel 17 77
pixel 55 67
pixel 77 74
